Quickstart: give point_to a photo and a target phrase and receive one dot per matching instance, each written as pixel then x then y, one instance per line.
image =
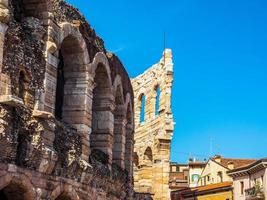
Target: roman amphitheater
pixel 67 124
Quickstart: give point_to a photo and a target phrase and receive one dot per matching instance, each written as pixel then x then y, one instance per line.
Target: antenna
pixel 164 44
pixel 211 147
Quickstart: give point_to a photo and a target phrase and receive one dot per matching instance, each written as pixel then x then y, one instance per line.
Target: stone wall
pixel 153 134
pixel 66 107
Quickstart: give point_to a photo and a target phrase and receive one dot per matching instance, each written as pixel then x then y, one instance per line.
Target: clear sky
pixel 220 57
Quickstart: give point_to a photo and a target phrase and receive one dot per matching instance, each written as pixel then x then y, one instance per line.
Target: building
pixel 250 182
pixel 178 176
pixel 195 171
pixel 153 128
pixel 218 191
pixel 185 175
pixel 66 108
pixel 216 168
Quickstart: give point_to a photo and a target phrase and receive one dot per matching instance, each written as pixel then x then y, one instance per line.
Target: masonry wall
pixel 66 107
pixel 153 135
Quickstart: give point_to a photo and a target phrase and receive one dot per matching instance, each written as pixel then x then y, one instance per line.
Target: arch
pixel 118 148
pixel 72 104
pixel 157 92
pixel 142 107
pixel 101 59
pixel 129 145
pixel 29 8
pixel 101 137
pixel 71 71
pixel 148 156
pixel 16 187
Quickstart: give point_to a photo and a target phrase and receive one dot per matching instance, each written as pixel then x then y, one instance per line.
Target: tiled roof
pixel 213 186
pixel 205 189
pixel 237 162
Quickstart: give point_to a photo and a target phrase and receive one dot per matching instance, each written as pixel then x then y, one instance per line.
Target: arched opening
pixel 14 192
pixel 71 82
pixel 102 113
pixel 147 172
pixel 118 147
pixel 60 87
pixel 157 103
pixel 28 8
pixel 148 156
pixel 142 100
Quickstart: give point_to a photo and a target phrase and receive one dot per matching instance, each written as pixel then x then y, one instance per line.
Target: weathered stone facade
pixel 154 129
pixel 66 107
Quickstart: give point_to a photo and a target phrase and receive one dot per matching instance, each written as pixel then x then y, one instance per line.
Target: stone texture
pixel 66 107
pixel 153 136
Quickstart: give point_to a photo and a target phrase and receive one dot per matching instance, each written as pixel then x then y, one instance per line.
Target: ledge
pixel 11 100
pixel 42 114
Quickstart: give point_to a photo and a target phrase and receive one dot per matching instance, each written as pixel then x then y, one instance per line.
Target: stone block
pixel 11 100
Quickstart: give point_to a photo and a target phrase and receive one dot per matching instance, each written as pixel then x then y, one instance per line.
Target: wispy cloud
pixel 117 50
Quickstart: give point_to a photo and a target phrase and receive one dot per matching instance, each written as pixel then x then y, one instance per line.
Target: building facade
pixel 250 182
pixel 153 128
pixel 216 168
pixel 66 107
pixel 195 171
pixel 178 176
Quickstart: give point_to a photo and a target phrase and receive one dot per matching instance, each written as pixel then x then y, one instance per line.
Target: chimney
pixel 218 158
pixel 230 165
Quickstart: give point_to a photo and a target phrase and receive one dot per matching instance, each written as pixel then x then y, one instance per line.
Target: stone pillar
pixel 103 123
pixel 129 146
pixel 119 136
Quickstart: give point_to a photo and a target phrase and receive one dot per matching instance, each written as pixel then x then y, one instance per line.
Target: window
pixel 142 108
pixel 177 169
pixel 195 178
pixel 157 104
pixel 241 187
pixel 220 177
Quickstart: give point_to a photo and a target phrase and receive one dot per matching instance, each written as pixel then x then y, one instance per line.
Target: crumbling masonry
pixel 154 128
pixel 66 107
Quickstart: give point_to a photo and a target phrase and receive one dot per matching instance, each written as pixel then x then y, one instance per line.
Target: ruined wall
pixel 154 130
pixel 66 107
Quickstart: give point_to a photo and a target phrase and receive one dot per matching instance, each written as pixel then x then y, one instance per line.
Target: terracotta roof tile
pixel 236 161
pixel 214 186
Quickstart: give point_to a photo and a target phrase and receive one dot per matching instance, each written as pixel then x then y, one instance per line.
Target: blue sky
pixel 220 56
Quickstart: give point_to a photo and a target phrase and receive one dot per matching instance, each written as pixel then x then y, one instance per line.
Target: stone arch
pixel 101 137
pixel 64 192
pixel 72 89
pixel 101 59
pixel 118 148
pixel 17 187
pixel 30 8
pixel 129 145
